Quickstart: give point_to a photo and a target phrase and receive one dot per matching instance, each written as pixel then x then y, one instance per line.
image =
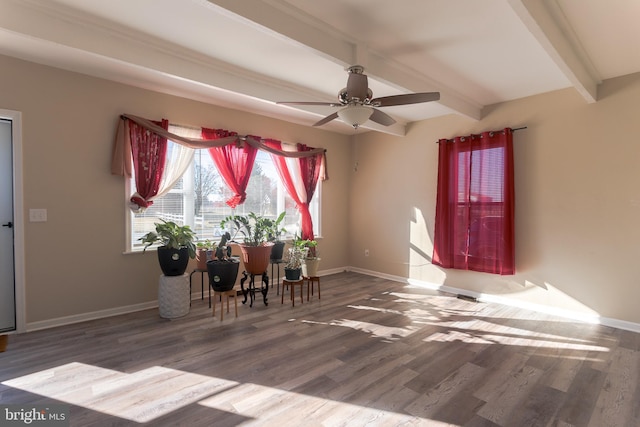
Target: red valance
pixel 121 164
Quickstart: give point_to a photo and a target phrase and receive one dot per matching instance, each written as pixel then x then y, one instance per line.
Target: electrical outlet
pixel 366 252
pixel 37 215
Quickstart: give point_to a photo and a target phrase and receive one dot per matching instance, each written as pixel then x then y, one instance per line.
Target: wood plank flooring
pixel 371 352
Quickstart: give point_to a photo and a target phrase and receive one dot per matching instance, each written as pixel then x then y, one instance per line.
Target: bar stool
pixel 292 284
pixel 227 294
pixel 310 281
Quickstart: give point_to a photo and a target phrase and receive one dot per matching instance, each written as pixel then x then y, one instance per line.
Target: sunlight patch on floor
pixel 376 330
pixel 294 409
pixel 157 391
pixel 458 324
pixel 513 336
pixel 141 397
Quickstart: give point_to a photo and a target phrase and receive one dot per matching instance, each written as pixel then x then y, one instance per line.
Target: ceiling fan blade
pixel 326 119
pixel 410 98
pixel 357 86
pixel 326 104
pixel 382 118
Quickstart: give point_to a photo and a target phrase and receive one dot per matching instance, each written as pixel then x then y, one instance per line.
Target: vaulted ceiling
pixel 249 54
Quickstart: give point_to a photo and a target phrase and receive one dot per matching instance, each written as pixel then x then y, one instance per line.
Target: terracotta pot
pixel 201 258
pixel 256 258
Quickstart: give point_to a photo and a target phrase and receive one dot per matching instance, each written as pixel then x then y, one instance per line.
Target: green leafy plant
pixel 206 244
pixel 296 254
pixel 172 236
pixel 223 252
pixel 312 248
pixel 276 231
pixel 254 228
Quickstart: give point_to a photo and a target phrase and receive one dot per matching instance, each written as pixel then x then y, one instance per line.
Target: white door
pixel 7 257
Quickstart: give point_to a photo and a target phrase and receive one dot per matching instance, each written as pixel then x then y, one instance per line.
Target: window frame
pixel 130 244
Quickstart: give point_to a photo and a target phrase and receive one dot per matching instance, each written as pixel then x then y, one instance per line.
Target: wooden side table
pixel 292 284
pixel 227 294
pixel 310 282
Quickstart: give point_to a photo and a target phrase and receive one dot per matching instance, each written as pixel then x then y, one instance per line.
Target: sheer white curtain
pixel 179 158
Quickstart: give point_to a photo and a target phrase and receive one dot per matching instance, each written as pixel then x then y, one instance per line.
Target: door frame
pixel 18 216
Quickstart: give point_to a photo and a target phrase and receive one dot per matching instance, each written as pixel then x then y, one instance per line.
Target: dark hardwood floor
pixel 371 352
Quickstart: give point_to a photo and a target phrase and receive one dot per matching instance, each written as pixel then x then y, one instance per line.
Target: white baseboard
pixel 582 317
pixel 196 294
pixel 488 298
pixel 83 317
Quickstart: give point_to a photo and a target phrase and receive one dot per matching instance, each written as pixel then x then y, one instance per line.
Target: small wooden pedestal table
pixel 173 296
pixel 292 284
pixel 310 281
pixel 227 294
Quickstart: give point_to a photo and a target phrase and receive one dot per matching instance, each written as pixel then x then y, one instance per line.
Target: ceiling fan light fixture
pixel 355 115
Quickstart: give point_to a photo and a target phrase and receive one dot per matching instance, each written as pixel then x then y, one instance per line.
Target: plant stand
pixel 227 295
pixel 173 296
pixel 292 284
pixel 202 273
pixel 251 290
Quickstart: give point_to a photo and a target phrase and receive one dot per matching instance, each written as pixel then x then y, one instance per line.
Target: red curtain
pixel 309 171
pixel 234 162
pixel 474 228
pixel 149 152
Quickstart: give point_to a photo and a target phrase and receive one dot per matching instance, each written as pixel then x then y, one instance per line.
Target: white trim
pixel 18 215
pixel 487 298
pixel 83 317
pixel 605 321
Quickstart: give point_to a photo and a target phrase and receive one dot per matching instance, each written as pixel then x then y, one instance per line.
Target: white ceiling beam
pixel 35 26
pixel 282 18
pixel 547 24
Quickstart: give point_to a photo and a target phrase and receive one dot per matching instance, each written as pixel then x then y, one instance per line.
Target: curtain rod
pixel 513 130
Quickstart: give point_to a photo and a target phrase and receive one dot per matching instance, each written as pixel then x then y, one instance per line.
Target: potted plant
pixel 177 245
pixel 223 268
pixel 311 261
pixel 255 247
pixel 203 253
pixel 275 235
pixel 295 259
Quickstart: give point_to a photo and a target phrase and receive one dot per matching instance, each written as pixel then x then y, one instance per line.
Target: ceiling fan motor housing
pixel 344 98
pixel 359 105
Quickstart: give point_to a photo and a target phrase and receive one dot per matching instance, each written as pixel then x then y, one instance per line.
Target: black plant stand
pixel 251 290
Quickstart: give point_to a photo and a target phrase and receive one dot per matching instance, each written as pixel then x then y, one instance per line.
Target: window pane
pixel 199 197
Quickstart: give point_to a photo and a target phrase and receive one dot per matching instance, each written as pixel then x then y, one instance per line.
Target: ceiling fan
pixel 359 105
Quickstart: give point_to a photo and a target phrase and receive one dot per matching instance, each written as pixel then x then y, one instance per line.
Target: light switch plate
pixel 37 215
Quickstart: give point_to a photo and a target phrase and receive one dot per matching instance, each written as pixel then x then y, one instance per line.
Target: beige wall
pixel 577 196
pixel 75 262
pixel 577 201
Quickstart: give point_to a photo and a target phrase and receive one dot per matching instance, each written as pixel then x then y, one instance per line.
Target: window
pixel 198 199
pixel 474 227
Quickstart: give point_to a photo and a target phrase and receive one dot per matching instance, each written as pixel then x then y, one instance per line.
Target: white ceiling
pixel 248 54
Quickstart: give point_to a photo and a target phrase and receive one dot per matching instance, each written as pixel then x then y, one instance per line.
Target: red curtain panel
pixel 474 227
pixel 149 153
pixel 234 162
